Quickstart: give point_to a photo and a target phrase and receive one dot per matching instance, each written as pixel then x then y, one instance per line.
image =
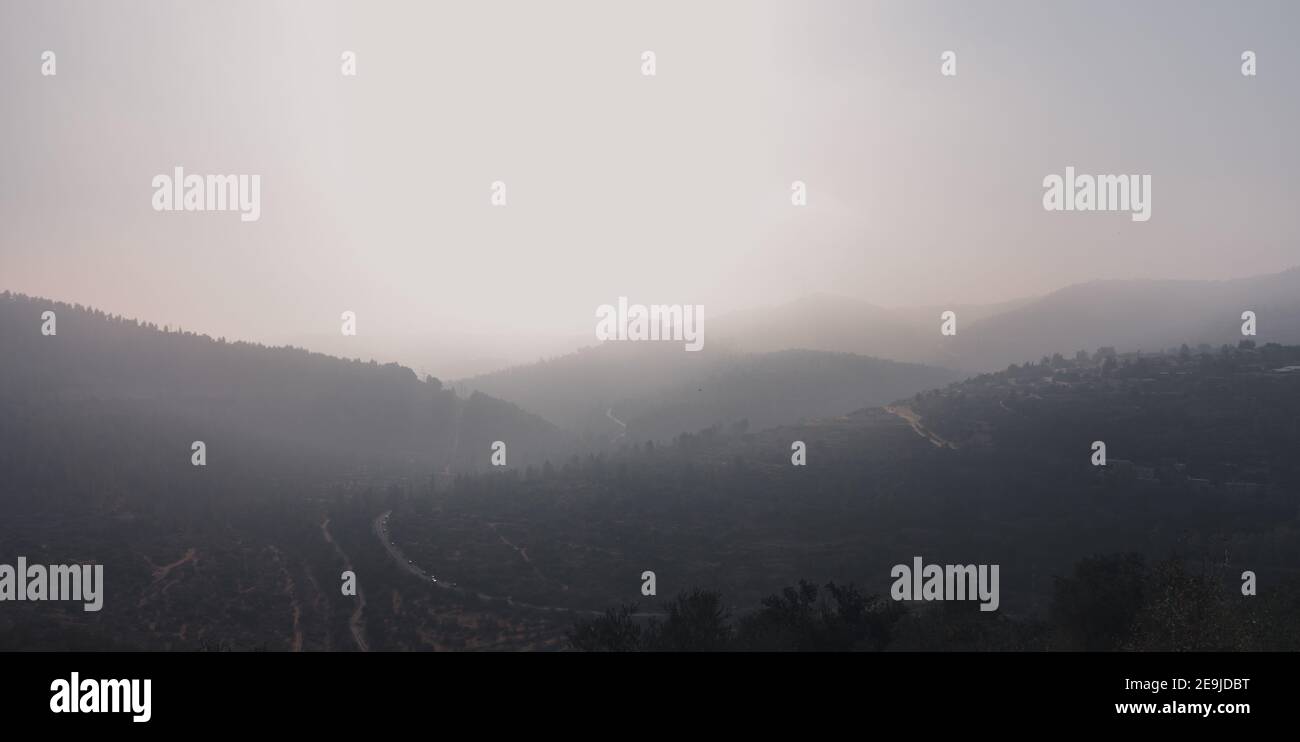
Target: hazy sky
pixel 923 189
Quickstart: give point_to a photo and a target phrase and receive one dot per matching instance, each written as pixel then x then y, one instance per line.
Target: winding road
pixel 380 527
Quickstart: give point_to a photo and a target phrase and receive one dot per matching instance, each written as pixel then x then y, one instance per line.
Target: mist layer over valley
pixel 667 326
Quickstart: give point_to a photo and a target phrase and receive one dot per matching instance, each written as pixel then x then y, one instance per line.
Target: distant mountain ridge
pixel 1133 315
pixel 659 391
pixel 1130 315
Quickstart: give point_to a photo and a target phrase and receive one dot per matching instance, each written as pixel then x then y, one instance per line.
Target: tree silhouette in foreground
pixel 802 618
pixel 1108 603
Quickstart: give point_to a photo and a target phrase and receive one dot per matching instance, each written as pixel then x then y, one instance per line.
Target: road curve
pixel 380 528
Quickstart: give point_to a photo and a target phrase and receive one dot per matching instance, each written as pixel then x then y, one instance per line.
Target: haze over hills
pixel 91 469
pixel 285 398
pixel 1132 315
pixel 1129 314
pixel 748 370
pixel 762 390
pixel 762 367
pixel 441 352
pixel 996 469
pixel 843 324
pixel 425 256
pixel 655 390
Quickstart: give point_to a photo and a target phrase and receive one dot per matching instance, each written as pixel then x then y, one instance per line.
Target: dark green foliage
pixel 616 631
pixel 1109 603
pixel 1096 607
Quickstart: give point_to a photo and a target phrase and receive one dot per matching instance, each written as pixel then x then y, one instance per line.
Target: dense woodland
pixel 361 412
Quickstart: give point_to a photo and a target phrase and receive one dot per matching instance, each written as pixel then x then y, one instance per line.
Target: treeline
pixel 288 399
pixel 1224 415
pixel 1109 603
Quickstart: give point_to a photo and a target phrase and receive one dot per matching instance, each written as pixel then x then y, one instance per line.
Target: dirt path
pixel 160 586
pixel 160 573
pixel 522 552
pixel 355 623
pixel 385 539
pixel 290 589
pixel 609 412
pixel 908 415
